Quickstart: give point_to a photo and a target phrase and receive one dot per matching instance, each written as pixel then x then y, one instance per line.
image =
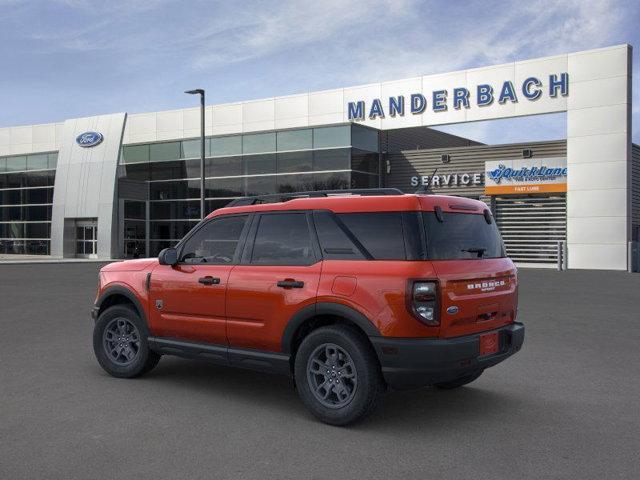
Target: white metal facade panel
pixel 86 180
pixel 599 194
pixel 30 139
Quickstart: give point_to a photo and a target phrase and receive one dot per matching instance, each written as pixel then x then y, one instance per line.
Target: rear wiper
pixel 479 251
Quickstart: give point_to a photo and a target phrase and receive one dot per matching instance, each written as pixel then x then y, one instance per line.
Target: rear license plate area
pixel 489 343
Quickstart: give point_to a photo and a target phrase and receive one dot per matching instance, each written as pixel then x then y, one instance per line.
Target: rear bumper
pixel 412 362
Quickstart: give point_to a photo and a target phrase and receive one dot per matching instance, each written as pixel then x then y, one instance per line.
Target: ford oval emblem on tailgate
pixel 452 310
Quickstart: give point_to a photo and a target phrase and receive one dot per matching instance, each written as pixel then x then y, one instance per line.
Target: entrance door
pixel 87 239
pixel 187 300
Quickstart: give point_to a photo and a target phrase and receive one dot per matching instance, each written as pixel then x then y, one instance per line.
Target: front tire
pixel 120 343
pixel 337 375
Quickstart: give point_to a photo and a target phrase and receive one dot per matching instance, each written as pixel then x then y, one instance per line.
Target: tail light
pixel 423 302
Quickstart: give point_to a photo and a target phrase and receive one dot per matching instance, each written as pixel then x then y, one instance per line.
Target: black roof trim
pixel 285 197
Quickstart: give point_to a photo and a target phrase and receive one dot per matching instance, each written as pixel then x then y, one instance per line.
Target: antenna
pixel 426 189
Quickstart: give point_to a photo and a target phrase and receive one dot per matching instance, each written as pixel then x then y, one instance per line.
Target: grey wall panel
pixel 85 185
pixel 420 138
pixel 412 163
pixel 635 188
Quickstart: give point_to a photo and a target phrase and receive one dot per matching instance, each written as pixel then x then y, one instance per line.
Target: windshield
pixel 461 236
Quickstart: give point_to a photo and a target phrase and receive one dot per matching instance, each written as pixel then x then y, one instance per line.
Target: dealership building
pixel 127 185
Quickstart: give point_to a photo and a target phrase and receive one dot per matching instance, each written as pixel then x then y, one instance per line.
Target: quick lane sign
pixel 526 176
pixel 482 95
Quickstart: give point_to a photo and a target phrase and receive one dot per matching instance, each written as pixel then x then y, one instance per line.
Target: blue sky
pixel 70 58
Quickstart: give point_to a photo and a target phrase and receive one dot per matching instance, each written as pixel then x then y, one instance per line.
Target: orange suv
pixel 348 292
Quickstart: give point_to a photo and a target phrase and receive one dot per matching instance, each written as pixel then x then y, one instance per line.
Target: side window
pixel 334 241
pixel 380 233
pixel 214 243
pixel 283 239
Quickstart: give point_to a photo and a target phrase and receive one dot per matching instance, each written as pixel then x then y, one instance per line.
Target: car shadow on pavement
pixel 400 410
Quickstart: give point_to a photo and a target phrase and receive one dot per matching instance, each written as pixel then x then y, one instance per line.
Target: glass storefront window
pixel 37 162
pixel 12 230
pixel 22 207
pixel 135 153
pixel 38 179
pixel 191 148
pixel 22 163
pixel 261 185
pixel 137 171
pixel 162 152
pixel 173 231
pixel 174 190
pixel 175 170
pixel 260 164
pixel 364 161
pixel 259 143
pixel 11 197
pixel 295 140
pixel 52 160
pixel 237 166
pixel 224 146
pixel 211 205
pixel 223 166
pixel 37 230
pixel 225 187
pixel 364 138
pixel 331 181
pixel 328 137
pixel 134 210
pixel 38 195
pixel 16 164
pixel 296 183
pixel 177 210
pixel 339 159
pixel 364 180
pixel 295 162
pixel 156 246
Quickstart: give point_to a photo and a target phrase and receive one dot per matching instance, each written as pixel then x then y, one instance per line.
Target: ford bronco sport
pixel 347 292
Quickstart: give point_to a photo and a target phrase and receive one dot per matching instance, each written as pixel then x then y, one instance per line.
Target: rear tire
pixel 459 382
pixel 337 375
pixel 120 343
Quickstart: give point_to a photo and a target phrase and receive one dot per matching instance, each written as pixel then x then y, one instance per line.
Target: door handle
pixel 290 284
pixel 209 280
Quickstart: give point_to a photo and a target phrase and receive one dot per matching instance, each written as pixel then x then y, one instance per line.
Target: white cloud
pixel 322 44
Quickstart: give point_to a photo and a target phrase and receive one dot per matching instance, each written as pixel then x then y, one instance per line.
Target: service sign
pixel 529 175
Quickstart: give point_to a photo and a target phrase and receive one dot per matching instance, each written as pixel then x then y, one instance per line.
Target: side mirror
pixel 168 256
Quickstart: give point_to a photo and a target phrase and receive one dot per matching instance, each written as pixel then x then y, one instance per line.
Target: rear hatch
pixel 478 284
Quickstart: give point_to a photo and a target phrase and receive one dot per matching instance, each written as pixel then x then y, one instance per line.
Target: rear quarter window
pixel 380 233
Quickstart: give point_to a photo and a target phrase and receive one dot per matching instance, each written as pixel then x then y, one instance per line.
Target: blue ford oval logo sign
pixel 89 139
pixel 452 310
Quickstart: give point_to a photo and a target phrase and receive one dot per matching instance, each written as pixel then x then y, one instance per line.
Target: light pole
pixel 200 92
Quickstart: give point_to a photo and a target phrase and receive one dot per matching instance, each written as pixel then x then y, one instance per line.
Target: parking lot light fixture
pixel 200 91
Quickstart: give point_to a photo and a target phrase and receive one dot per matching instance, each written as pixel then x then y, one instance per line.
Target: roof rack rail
pixel 285 197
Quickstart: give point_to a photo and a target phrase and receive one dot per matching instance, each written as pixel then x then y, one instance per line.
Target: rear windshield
pixel 461 236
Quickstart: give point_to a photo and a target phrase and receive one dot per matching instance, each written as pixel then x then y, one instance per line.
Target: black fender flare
pixel 325 308
pixel 125 292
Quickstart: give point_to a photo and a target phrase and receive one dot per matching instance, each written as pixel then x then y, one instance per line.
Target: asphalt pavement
pixel 567 406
